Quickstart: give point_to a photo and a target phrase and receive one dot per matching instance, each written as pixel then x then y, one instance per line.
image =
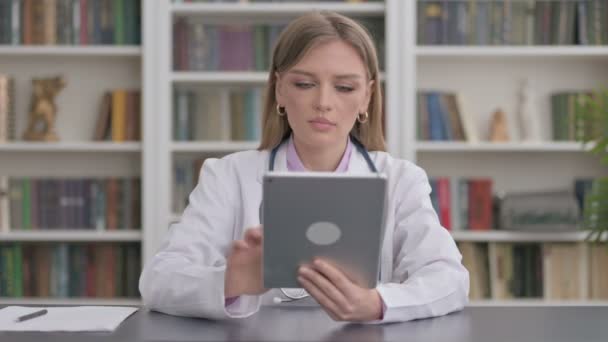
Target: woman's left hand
pixel 342 299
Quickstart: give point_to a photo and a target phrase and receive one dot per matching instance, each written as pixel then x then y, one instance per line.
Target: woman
pixel 323 112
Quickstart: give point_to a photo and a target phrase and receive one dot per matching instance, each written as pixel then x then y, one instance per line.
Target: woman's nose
pixel 324 98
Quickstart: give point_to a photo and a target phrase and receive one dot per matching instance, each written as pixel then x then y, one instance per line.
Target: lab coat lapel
pixel 280 162
pixel 357 163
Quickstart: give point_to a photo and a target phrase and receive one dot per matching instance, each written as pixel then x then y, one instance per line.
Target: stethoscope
pixel 294 294
pixel 357 143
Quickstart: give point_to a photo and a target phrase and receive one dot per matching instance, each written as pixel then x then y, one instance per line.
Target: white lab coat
pixel 422 274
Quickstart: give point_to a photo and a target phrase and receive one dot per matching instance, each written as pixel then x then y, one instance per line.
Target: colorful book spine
pixel 64 270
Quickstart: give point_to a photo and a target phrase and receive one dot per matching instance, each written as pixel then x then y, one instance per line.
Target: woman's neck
pixel 326 158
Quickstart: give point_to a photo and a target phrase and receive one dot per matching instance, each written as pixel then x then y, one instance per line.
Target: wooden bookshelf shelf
pixel 132 147
pixel 225 77
pixel 515 236
pixel 221 77
pixel 513 51
pixel 69 301
pixel 72 236
pixel 537 302
pixel 214 146
pixel 499 147
pixel 66 50
pixel 276 9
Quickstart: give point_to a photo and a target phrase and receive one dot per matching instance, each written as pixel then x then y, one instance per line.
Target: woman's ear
pixel 277 88
pixel 369 90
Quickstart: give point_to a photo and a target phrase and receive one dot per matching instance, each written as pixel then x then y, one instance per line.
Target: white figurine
pixel 528 114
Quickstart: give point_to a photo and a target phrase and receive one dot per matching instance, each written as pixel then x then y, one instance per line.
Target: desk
pixel 487 324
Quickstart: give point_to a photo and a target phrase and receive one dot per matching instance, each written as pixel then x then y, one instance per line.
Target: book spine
pixel 443 185
pixel 119 98
pixel 3 108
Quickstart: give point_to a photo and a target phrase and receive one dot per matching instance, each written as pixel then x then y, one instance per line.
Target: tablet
pixel 338 217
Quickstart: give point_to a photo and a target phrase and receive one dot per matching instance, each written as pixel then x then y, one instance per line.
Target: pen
pixel 31 315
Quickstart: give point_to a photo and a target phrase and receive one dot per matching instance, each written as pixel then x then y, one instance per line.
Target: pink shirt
pixel 294 163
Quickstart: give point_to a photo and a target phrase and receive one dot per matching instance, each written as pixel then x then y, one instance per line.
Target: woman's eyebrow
pixel 301 72
pixel 341 76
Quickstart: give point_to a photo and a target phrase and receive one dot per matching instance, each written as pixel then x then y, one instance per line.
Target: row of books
pixel 525 22
pixel 7 109
pixel 258 1
pixel 441 116
pixel 470 204
pixel 70 22
pixel 552 271
pixel 119 117
pixel 569 120
pixel 200 45
pixel 463 204
pixel 75 270
pixel 219 114
pixel 85 203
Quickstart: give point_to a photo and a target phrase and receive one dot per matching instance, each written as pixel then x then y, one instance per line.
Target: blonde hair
pixel 293 43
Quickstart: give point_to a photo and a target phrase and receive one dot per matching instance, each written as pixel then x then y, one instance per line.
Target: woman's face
pixel 323 94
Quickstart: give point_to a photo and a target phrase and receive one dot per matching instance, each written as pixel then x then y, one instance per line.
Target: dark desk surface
pixel 488 324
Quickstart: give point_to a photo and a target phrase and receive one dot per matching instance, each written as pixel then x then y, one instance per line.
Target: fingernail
pixel 303 269
pixel 318 262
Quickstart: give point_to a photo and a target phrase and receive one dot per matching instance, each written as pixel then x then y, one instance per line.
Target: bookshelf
pixel 82 51
pixel 70 301
pixel 536 302
pixel 273 9
pixel 500 147
pixel 226 77
pixel 260 12
pixel 514 236
pixel 71 236
pixel 59 147
pixel 487 77
pixel 194 147
pixel 513 52
pixel 89 68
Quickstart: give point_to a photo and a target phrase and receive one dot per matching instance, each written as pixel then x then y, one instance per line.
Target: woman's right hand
pixel 244 265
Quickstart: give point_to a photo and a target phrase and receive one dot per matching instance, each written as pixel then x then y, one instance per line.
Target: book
pixel 4 205
pixel 119 116
pixel 564 276
pixel 102 126
pixel 475 259
pixel 7 109
pixel 118 119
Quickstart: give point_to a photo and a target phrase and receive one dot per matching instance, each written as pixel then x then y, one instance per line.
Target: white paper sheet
pixel 75 318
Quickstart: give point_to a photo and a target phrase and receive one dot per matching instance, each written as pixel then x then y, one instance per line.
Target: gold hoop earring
pixel 365 117
pixel 280 111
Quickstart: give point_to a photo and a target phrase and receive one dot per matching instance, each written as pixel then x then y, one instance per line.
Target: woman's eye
pixel 345 89
pixel 304 85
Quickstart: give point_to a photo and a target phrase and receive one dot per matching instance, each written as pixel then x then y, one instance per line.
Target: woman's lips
pixel 321 124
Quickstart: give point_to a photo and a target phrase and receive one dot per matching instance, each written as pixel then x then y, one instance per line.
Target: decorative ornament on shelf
pixel 529 126
pixel 43 110
pixel 499 131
